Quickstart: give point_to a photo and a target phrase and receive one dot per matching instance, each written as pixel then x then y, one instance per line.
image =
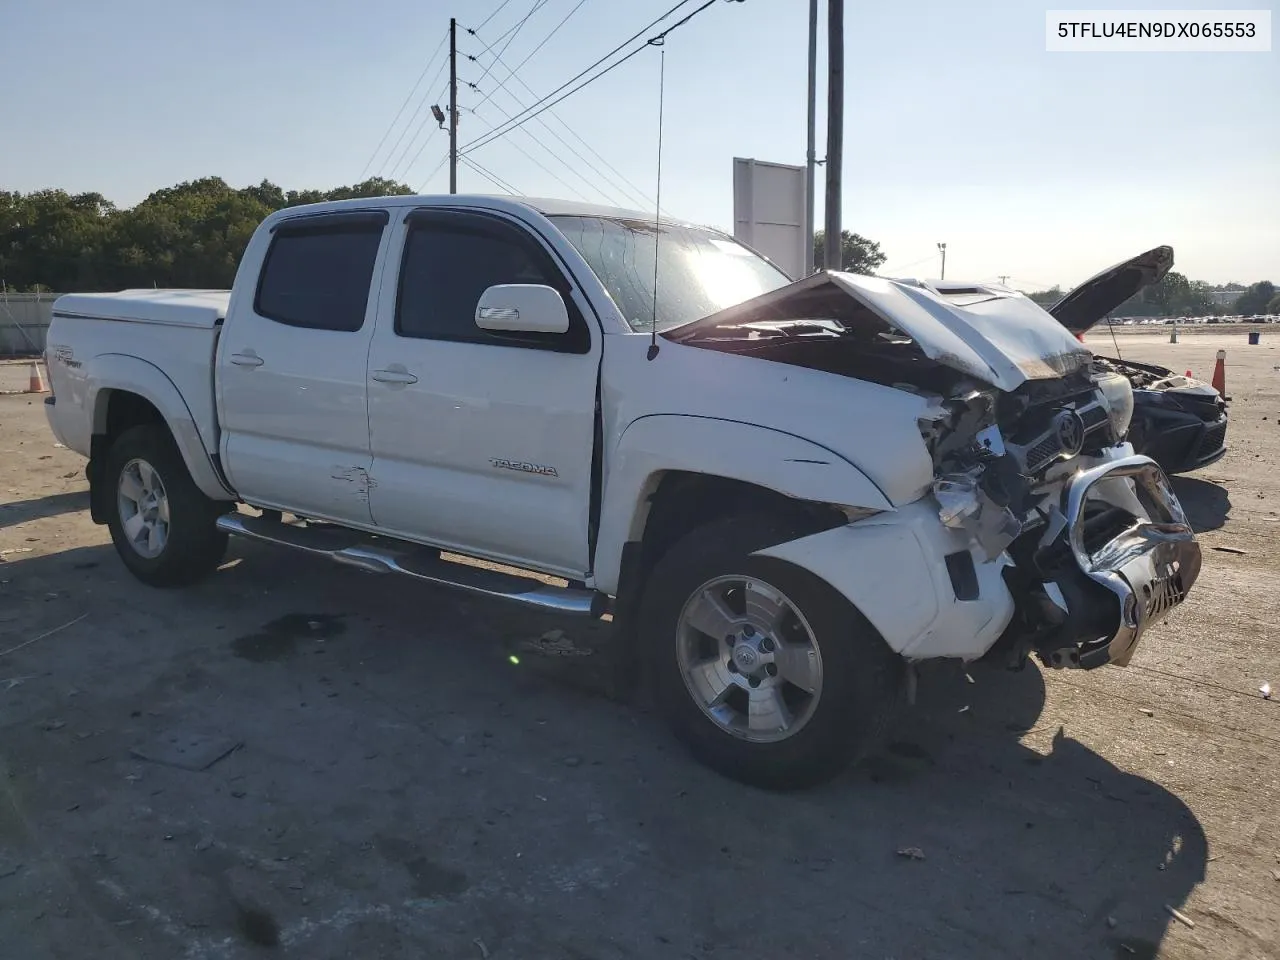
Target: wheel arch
pixel 668 473
pixel 126 392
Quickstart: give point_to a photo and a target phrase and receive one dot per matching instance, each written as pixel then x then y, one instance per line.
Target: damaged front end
pixel 1040 531
pixel 1095 543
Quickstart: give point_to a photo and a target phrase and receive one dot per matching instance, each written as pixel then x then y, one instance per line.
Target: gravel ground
pixel 402 789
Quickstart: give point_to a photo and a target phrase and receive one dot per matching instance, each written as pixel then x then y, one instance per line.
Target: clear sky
pixel 959 127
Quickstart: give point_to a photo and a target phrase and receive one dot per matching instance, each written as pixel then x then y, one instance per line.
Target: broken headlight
pixel 1117 397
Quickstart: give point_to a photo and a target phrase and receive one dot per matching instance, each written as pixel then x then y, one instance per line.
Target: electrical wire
pixel 416 113
pixel 443 160
pixel 887 271
pixel 397 170
pixel 534 160
pixel 627 189
pixel 400 112
pixel 511 72
pixel 475 144
pixel 538 5
pixel 492 15
pixel 490 176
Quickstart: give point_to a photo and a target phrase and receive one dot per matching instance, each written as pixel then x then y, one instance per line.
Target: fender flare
pixel 654 445
pixel 114 371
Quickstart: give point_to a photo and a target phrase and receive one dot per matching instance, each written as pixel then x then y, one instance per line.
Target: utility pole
pixel 1004 279
pixel 835 130
pixel 811 157
pixel 942 249
pixel 453 105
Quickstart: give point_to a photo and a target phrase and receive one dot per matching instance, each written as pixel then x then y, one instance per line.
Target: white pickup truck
pixel 784 493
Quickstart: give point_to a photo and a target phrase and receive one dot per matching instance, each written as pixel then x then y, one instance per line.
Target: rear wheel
pixel 764 671
pixel 162 525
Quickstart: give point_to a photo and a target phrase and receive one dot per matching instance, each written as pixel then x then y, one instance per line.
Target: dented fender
pixel 893 568
pixel 655 445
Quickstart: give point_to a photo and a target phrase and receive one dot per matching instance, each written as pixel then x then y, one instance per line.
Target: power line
pixel 492 15
pixel 538 5
pixel 412 91
pixel 532 159
pixel 397 170
pixel 629 195
pixel 416 113
pixel 634 191
pixel 475 144
pixel 435 170
pixel 511 72
pixel 490 176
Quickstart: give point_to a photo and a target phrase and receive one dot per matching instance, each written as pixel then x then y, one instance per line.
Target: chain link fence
pixel 24 322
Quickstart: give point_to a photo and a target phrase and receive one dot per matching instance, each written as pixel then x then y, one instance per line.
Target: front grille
pixel 1093 416
pixel 1163 595
pixel 1043 454
pixel 1211 440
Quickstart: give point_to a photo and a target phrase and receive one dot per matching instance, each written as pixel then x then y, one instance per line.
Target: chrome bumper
pixel 1144 569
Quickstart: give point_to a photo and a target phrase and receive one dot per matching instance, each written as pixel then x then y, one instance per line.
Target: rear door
pixel 482 441
pixel 292 394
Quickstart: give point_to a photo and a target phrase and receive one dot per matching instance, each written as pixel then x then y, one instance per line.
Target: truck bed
pixel 175 331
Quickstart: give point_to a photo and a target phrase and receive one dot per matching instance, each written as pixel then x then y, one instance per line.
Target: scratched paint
pixel 358 477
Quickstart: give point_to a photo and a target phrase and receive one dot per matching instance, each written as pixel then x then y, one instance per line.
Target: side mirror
pixel 522 308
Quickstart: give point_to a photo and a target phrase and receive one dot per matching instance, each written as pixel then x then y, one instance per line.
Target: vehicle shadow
pixel 984 829
pixel 53 505
pixel 1206 504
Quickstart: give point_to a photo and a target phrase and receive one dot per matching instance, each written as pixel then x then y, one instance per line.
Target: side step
pixel 383 555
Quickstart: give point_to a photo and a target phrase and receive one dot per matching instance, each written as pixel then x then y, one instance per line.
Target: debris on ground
pixel 13 550
pixel 554 643
pixel 47 633
pixel 964 709
pixel 187 751
pixel 1111 922
pixel 1180 917
pixel 484 951
pixel 911 853
pixel 1235 550
pixel 1265 690
pixel 1146 712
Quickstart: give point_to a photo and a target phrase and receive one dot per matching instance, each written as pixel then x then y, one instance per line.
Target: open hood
pixel 988 332
pixel 1096 297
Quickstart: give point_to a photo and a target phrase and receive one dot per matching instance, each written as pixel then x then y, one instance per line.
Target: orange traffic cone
pixel 36 384
pixel 1220 374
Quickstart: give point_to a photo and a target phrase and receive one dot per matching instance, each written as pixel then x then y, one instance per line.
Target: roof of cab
pixel 546 206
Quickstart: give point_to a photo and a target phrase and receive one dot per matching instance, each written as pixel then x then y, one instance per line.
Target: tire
pixel 189 546
pixel 860 682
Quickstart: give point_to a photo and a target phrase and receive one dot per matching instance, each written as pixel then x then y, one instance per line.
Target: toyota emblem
pixel 1070 430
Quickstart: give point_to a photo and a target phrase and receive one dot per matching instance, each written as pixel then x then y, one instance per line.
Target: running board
pixel 381 555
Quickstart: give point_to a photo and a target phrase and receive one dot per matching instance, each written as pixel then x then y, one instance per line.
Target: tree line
pixel 1176 296
pixel 188 235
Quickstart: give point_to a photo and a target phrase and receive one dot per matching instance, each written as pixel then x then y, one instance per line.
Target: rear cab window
pixel 318 270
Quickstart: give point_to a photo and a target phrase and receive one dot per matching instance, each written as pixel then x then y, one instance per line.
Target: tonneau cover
pixel 183 308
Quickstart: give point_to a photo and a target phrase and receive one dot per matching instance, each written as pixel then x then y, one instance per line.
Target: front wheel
pixel 162 525
pixel 764 671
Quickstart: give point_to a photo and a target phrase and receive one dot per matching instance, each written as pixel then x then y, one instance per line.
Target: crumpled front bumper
pixel 1133 557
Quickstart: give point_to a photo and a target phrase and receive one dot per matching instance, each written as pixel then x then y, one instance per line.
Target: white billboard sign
pixel 768 211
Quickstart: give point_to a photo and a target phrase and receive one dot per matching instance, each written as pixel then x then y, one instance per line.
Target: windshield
pixel 700 272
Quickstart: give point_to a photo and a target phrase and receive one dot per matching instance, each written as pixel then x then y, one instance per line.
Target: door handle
pixel 246 360
pixel 393 376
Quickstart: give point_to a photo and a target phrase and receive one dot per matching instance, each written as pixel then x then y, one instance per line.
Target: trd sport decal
pixel 522 466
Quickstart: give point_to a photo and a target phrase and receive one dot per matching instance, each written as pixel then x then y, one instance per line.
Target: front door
pixel 292 384
pixel 481 441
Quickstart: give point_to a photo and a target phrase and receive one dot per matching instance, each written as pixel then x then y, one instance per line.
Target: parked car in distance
pixel 1178 421
pixel 785 493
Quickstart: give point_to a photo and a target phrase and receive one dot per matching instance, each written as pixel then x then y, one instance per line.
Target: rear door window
pixel 318 272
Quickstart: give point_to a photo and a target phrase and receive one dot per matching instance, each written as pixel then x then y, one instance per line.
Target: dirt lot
pixel 403 790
